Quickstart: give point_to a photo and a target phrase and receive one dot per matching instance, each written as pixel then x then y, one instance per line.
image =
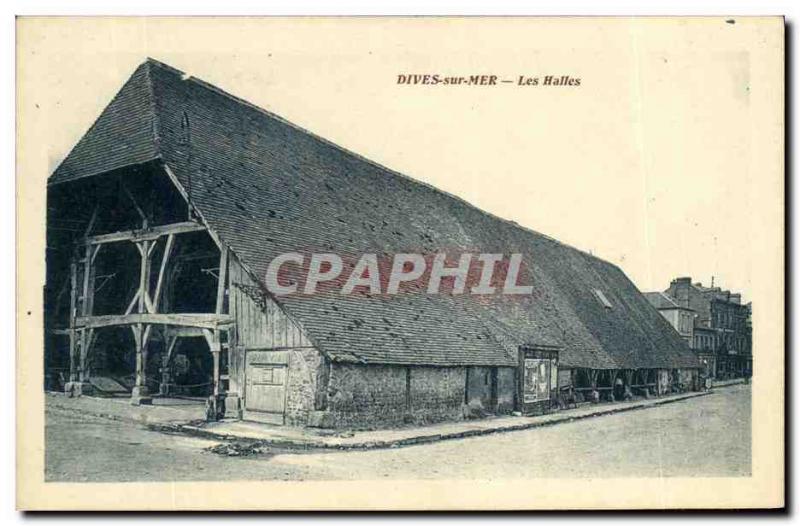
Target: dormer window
pixel 602 298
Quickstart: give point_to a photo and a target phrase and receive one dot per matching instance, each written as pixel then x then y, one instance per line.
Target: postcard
pixel 476 263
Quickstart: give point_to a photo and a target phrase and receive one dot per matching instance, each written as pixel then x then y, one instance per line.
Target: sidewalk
pixel 187 416
pixel 725 383
pixel 279 436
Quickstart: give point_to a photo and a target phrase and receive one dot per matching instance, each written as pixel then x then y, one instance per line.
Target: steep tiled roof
pixel 267 187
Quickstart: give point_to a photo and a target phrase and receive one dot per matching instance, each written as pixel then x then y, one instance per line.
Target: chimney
pixel 679 290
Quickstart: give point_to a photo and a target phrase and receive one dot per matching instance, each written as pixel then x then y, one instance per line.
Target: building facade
pixel 681 318
pixel 722 324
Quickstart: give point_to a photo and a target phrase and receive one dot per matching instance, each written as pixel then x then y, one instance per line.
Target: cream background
pixel 667 160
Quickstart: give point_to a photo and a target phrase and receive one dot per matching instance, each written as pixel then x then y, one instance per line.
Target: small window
pixel 602 298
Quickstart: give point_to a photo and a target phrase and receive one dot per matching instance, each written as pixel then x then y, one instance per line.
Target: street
pixel 705 436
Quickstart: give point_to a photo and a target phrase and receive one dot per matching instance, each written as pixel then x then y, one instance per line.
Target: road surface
pixel 706 436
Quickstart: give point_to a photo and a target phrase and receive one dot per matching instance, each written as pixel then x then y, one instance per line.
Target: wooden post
pixel 214 346
pixel 215 351
pixel 169 346
pixel 223 276
pixel 593 373
pixel 658 382
pixel 87 306
pixel 73 344
pixel 629 377
pixel 612 378
pixel 140 394
pixel 162 271
pixel 215 343
pixel 80 340
pixel 135 203
pixel 216 402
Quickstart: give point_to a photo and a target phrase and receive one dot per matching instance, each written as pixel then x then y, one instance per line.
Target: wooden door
pixel 265 392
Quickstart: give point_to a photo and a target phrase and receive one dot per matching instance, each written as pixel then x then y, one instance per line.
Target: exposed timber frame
pixel 146 234
pixel 150 312
pixel 143 314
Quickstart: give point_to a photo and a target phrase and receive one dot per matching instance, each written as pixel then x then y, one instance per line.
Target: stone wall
pixel 333 395
pixel 304 385
pixel 371 396
pixel 437 393
pixel 366 395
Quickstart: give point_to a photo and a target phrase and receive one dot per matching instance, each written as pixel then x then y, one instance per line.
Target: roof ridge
pixel 216 89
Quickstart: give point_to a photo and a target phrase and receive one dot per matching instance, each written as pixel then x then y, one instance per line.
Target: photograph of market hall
pixel 164 217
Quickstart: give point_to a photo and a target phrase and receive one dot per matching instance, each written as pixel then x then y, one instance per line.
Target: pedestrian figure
pixel 628 394
pixel 619 389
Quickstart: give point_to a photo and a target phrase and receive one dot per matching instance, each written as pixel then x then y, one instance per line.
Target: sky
pixel 648 163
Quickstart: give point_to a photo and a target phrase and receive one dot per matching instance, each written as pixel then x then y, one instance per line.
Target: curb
pixel 199 431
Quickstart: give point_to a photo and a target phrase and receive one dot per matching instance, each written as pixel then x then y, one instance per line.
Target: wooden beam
pixel 92 221
pixel 223 277
pixel 212 337
pixel 133 200
pixel 148 304
pixel 146 335
pixel 172 177
pixel 86 289
pixel 88 339
pixel 133 303
pixel 169 346
pixel 592 373
pixel 184 332
pixel 204 321
pixel 214 343
pixel 73 313
pixel 162 270
pixel 96 251
pixel 146 234
pixel 140 394
pixel 144 276
pixel 629 374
